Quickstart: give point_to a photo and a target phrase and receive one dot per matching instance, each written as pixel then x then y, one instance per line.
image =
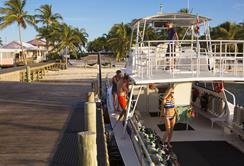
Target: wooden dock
pixel 33 118
pixel 39 121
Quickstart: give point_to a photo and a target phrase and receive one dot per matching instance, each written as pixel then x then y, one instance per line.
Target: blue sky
pixel 97 16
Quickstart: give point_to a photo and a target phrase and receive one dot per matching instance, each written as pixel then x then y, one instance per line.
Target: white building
pixel 33 52
pixel 7 56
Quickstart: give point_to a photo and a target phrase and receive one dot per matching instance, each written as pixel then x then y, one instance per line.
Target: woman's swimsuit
pixel 170 117
pixel 169 104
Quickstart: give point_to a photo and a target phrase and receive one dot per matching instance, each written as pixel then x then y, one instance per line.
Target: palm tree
pixel 240 33
pixel 47 18
pixel 64 37
pixel 226 30
pixel 69 39
pixel 14 12
pixel 150 33
pixel 81 33
pixel 184 10
pixel 98 44
pixel 46 15
pixel 119 40
pixel 182 30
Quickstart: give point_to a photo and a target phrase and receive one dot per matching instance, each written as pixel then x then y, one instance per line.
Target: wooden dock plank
pixel 33 118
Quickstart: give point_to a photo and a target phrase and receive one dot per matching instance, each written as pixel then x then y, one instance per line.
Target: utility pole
pixel 100 74
pixel 188 6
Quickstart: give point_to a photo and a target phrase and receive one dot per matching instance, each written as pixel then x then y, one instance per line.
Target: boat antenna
pixel 161 8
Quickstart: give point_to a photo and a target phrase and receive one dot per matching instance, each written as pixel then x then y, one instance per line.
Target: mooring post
pixel 37 76
pixel 28 74
pixel 90 117
pixel 91 97
pixel 87 148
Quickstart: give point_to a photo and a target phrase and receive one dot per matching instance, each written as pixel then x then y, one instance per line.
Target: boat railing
pixel 220 57
pixel 141 143
pixel 232 96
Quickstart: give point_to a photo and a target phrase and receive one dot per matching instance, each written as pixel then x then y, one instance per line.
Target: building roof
pixel 9 50
pixel 37 42
pixel 178 19
pixel 17 45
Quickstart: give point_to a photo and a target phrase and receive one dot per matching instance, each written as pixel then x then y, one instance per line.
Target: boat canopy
pixel 178 19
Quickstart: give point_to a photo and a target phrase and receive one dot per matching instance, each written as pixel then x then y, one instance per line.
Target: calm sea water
pixel 238 90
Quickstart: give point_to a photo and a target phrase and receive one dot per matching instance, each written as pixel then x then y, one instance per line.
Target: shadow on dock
pixel 67 150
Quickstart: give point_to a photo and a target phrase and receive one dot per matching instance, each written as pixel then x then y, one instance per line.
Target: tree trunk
pixel 47 43
pixel 47 46
pixel 21 45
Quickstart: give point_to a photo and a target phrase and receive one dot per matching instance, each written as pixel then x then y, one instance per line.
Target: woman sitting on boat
pixel 168 113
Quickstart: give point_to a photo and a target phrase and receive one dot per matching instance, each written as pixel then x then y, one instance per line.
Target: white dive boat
pixel 199 70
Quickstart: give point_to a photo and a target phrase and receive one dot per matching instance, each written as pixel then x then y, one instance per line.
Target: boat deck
pixel 202 131
pixel 124 142
pixel 207 153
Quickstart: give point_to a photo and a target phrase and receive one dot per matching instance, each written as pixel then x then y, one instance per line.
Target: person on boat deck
pixel 123 88
pixel 168 113
pixel 173 40
pixel 172 33
pixel 115 81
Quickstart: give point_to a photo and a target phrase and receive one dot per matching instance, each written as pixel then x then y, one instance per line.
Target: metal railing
pixel 141 143
pixel 232 95
pixel 221 57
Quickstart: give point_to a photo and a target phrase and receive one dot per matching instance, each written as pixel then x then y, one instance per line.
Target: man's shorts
pixel 123 102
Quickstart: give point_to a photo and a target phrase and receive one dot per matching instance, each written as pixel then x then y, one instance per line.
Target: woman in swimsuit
pixel 115 81
pixel 168 113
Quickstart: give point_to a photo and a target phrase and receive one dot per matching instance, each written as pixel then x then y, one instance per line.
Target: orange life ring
pixel 219 87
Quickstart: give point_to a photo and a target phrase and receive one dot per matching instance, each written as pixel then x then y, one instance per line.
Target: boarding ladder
pixel 132 103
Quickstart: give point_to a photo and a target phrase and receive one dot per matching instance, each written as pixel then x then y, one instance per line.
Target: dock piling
pixel 91 97
pixel 87 148
pixel 28 74
pixel 90 117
